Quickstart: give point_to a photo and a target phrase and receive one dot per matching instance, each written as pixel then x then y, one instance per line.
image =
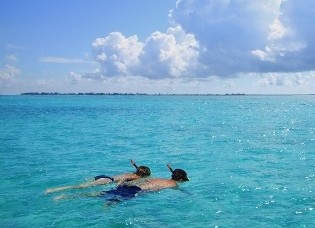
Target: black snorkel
pixel 133 163
pixel 170 168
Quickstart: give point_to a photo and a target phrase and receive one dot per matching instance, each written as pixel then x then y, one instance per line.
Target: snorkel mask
pixel 142 171
pixel 178 174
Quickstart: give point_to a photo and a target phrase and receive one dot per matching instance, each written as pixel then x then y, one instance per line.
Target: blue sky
pixel 157 46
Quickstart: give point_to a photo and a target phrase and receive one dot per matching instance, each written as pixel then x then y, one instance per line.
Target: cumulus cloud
pixel 8 73
pixel 161 55
pixel 117 54
pixel 221 38
pixel 250 35
pixel 171 54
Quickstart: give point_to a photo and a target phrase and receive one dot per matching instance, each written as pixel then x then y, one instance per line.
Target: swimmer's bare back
pixel 156 184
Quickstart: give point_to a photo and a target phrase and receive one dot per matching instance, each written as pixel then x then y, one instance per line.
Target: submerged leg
pixel 82 195
pixel 52 190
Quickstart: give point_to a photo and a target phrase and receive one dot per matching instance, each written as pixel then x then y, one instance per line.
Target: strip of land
pixel 126 94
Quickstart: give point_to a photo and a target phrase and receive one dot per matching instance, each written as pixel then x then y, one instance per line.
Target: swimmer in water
pixel 131 189
pixel 141 171
pixel 156 184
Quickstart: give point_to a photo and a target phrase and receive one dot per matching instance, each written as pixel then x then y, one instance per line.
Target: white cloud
pixel 117 54
pixel 12 58
pixel 274 80
pixel 271 40
pixel 44 82
pixel 215 38
pixel 8 73
pixel 61 60
pixel 250 35
pixel 74 77
pixel 170 54
pixel 287 79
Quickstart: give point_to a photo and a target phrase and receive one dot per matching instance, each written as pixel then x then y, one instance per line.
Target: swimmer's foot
pixel 52 190
pixel 60 197
pixel 49 190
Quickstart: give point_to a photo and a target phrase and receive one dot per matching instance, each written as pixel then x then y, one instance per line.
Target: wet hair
pixel 179 175
pixel 143 171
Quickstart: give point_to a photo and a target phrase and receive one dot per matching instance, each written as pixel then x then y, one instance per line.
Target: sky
pixel 157 46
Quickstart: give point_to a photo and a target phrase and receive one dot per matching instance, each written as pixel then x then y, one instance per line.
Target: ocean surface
pixel 250 160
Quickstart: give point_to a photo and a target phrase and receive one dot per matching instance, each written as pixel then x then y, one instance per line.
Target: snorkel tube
pixel 170 168
pixel 133 163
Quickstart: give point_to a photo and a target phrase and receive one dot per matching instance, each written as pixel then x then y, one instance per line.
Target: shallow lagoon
pixel 250 159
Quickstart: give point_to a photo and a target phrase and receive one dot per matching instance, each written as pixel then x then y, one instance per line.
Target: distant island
pixel 81 94
pixel 151 94
pixel 124 94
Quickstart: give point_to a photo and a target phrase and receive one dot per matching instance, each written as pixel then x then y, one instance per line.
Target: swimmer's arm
pixel 120 179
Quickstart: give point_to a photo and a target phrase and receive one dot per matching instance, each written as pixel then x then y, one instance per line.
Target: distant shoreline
pixel 125 94
pixel 148 94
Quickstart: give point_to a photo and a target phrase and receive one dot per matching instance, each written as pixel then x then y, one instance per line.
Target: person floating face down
pixel 141 172
pixel 131 189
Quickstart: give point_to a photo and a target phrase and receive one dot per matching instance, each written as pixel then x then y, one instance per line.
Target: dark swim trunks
pixel 123 192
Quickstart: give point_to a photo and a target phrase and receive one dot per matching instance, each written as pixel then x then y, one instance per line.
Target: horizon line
pixel 149 94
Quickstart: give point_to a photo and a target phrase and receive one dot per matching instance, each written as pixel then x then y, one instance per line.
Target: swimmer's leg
pixel 112 202
pixel 76 196
pixel 99 181
pixel 108 202
pixel 52 190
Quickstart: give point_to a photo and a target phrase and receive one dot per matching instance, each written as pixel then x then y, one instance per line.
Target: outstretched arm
pixel 120 179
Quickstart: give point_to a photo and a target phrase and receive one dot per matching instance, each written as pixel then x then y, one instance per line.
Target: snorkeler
pixel 156 184
pixel 141 171
pixel 131 189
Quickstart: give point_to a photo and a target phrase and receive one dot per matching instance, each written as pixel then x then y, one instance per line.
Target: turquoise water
pixel 250 159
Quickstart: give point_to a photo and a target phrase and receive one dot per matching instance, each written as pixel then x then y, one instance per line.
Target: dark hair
pixel 143 171
pixel 179 175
